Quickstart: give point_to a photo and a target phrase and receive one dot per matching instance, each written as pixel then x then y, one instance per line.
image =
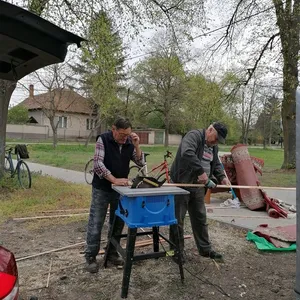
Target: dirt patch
pixel 246 273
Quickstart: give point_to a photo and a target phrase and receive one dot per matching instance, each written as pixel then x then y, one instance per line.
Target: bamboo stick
pixel 138 244
pixel 49 217
pixel 64 210
pixel 50 251
pixel 233 186
pixel 48 278
pixel 238 216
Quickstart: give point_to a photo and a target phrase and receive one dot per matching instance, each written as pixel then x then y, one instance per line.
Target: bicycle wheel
pixel 24 175
pixel 7 166
pixel 134 171
pixel 89 171
pixel 161 176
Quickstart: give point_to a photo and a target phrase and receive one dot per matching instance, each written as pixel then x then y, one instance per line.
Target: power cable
pixel 203 279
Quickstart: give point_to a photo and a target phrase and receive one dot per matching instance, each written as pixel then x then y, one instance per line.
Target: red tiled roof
pixel 64 100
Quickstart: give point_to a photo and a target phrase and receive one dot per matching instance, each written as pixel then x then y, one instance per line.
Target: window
pixel 62 122
pixel 90 124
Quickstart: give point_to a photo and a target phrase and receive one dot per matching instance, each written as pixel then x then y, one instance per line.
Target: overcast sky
pixel 138 48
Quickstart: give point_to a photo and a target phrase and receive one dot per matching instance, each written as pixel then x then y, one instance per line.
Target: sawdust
pixel 246 273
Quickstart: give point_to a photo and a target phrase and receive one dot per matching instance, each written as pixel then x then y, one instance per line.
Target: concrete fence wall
pixel 174 139
pixel 33 131
pixel 40 132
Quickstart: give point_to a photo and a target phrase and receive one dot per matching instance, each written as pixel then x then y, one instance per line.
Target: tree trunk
pixel 288 111
pixel 55 138
pixel 264 132
pixel 297 287
pixel 288 21
pixel 6 90
pixel 54 131
pixel 270 133
pixel 167 128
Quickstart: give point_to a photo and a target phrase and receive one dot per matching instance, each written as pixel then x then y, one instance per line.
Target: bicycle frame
pixel 21 168
pixel 13 170
pixel 162 167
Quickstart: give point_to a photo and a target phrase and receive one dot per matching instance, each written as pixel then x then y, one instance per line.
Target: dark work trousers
pixel 194 204
pixel 98 210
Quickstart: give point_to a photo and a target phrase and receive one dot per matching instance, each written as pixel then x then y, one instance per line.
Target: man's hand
pixel 210 184
pixel 202 178
pixel 121 181
pixel 135 139
pixel 225 181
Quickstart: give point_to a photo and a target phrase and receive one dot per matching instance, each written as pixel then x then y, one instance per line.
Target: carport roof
pixel 29 42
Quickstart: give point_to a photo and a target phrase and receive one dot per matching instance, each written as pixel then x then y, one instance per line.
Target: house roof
pixel 64 100
pixel 28 42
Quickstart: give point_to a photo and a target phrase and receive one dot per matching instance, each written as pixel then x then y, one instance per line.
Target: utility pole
pixel 297 287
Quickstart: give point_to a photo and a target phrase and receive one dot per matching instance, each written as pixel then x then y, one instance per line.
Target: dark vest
pixel 115 161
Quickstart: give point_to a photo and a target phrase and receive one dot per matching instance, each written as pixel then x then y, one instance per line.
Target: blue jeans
pixel 98 211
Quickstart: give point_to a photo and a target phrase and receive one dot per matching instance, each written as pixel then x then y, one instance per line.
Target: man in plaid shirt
pixel 113 153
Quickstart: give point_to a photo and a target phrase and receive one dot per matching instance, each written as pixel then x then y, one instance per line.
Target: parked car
pixel 9 285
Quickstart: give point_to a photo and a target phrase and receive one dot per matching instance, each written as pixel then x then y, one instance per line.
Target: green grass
pixel 272 173
pixel 47 193
pixel 74 157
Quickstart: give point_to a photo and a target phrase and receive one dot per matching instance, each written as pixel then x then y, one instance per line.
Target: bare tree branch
pixel 252 70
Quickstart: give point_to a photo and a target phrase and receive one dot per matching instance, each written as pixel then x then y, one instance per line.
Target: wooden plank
pixel 233 186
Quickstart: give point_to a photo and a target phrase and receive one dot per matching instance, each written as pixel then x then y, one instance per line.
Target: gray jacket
pixel 187 164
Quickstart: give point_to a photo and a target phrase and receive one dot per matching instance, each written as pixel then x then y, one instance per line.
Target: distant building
pixel 75 115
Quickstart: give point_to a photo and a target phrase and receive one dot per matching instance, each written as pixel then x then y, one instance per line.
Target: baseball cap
pixel 222 131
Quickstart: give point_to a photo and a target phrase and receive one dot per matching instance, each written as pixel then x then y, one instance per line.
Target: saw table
pixel 144 207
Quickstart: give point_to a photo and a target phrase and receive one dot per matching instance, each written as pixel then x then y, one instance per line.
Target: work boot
pixel 213 255
pixel 92 265
pixel 115 259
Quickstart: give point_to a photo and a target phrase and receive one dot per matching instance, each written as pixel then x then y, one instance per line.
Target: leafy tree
pixel 269 120
pixel 17 115
pixel 202 101
pixel 131 15
pixel 101 67
pixel 282 33
pixel 159 84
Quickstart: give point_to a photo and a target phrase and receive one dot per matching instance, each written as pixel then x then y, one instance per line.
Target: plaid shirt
pixel 99 167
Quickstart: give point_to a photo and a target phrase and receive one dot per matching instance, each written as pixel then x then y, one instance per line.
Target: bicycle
pixel 159 172
pixel 22 169
pixel 89 171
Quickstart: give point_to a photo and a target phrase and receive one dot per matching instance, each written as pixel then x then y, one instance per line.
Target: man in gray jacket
pixel 197 161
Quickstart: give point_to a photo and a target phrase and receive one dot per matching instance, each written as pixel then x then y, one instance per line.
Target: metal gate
pixel 159 137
